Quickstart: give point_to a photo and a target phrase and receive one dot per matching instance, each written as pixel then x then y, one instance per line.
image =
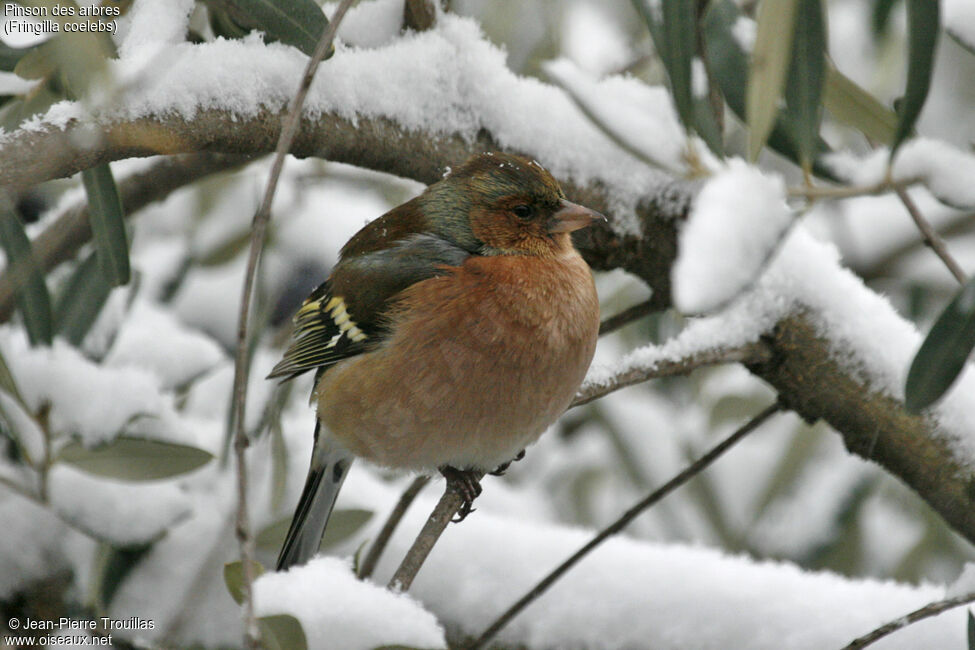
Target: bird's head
pixel 501 204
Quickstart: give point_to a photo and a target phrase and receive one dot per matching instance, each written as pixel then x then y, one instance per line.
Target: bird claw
pixel 503 467
pixel 466 484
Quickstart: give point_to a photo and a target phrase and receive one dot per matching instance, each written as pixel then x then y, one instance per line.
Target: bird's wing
pixel 347 314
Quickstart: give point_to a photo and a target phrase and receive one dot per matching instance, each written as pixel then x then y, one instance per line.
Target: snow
pixel 638 114
pixel 152 339
pixel 31 545
pixel 422 81
pixel 369 24
pixel 120 513
pixel 339 612
pixel 149 26
pixel 631 593
pixel 964 584
pixel 62 378
pixel 593 41
pixel 643 594
pixel 945 170
pixel 864 333
pixel 745 30
pixel 958 17
pixel 735 225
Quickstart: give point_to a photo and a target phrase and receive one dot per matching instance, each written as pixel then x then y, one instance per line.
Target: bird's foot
pixel 503 467
pixel 465 483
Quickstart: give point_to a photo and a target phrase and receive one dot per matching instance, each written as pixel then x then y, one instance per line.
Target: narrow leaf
pixel 923 27
pixel 81 301
pixel 804 86
pixel 769 63
pixel 706 125
pixel 10 56
pixel 107 224
pixel 971 631
pixel 233 577
pixel 342 525
pixel 32 296
pixel 8 384
pixel 296 22
pixel 943 354
pixel 112 565
pixel 680 42
pixel 729 66
pixel 880 19
pixel 135 459
pixel 282 632
pixel 850 104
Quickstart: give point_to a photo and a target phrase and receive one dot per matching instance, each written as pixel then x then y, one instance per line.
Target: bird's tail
pixel 330 463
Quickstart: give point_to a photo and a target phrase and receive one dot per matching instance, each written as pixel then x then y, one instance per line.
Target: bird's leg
pixel 503 467
pixel 467 484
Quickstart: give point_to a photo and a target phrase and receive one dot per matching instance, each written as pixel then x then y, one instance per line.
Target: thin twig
pixel 445 510
pixel 756 352
pixel 621 141
pixel 289 128
pixel 690 471
pixel 930 236
pixel 625 317
pixel 831 192
pixel 929 610
pixel 376 550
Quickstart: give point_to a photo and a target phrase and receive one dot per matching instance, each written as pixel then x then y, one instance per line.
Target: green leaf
pixel 880 18
pixel 707 126
pixel 282 632
pixel 37 64
pixel 676 41
pixel 112 565
pixel 9 385
pixel 233 577
pixel 769 63
pixel 81 300
pixel 943 354
pixel 729 66
pixel 804 86
pixel 10 56
pixel 296 22
pixel 37 102
pixel 107 224
pixel 134 459
pixel 971 631
pixel 850 104
pixel 342 525
pixel 923 27
pixel 32 296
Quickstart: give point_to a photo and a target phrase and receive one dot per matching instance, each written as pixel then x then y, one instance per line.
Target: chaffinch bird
pixel 453 331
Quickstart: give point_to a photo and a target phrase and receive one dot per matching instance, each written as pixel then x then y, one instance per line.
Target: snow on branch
pixel 839 351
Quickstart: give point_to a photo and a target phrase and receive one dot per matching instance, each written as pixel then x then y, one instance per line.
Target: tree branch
pixel 442 514
pixel 802 368
pixel 623 521
pixel 750 353
pixel 289 127
pixel 929 610
pixel 930 236
pixel 382 540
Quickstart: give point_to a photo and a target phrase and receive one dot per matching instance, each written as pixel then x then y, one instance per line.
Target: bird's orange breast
pixel 493 353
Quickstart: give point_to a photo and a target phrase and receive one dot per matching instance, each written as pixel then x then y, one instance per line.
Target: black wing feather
pixel 345 315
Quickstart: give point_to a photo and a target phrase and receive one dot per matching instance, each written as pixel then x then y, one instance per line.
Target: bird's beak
pixel 572 216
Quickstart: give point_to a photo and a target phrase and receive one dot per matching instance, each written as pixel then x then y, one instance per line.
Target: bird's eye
pixel 523 211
